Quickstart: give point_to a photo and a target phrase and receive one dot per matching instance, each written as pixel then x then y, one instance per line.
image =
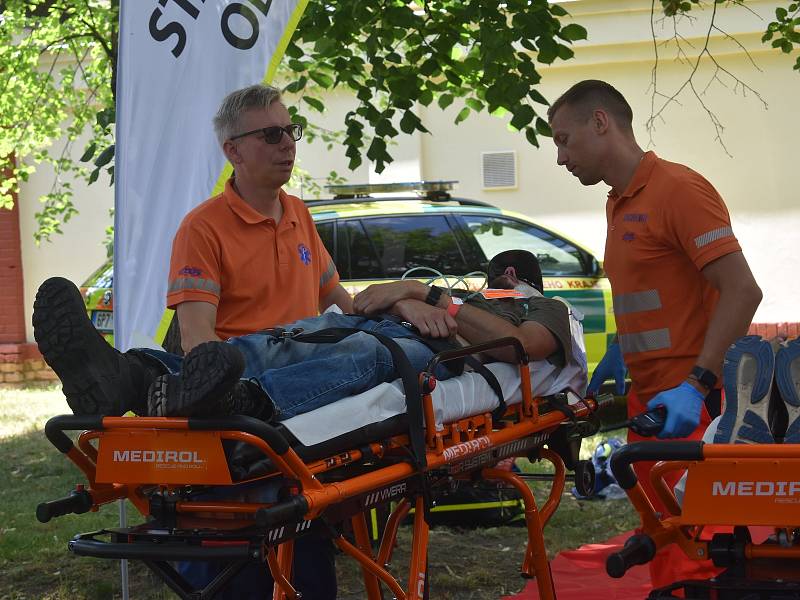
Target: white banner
pixel 177 60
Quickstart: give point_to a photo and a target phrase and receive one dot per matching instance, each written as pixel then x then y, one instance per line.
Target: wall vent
pixel 499 170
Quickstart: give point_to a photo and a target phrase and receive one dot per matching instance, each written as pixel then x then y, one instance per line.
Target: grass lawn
pixel 35 563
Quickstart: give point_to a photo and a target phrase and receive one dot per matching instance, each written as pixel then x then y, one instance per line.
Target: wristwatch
pixel 704 376
pixel 433 296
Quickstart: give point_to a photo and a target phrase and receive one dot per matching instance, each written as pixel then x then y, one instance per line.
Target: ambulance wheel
pixel 584 478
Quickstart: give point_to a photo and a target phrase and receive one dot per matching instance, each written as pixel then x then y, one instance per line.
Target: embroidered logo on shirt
pixel 193 271
pixel 635 218
pixel 628 236
pixel 305 254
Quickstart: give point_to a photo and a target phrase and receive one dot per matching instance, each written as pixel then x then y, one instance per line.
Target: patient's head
pixel 509 268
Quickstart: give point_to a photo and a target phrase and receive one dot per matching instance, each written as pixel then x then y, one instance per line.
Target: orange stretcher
pixel 158 464
pixel 734 485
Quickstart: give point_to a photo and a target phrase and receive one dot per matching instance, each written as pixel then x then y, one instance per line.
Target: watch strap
pixel 433 296
pixel 704 376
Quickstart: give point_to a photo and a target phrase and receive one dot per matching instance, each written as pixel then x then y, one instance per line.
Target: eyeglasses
pixel 274 134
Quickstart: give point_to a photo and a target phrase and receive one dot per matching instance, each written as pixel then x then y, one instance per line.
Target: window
pixel 325 231
pixel 387 247
pixel 557 257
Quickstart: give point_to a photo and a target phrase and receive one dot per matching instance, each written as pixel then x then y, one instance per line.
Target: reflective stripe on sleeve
pixel 644 341
pixel 712 236
pixel 194 283
pixel 330 271
pixel 636 302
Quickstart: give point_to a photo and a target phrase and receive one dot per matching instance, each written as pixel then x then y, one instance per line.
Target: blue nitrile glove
pixel 611 366
pixel 683 404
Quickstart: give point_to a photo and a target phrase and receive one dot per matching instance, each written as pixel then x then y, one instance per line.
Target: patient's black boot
pixel 96 378
pixel 208 385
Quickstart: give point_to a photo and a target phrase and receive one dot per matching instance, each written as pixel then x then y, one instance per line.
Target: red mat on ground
pixel 581 575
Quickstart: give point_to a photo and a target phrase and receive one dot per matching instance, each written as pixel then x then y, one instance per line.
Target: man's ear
pixel 599 121
pixel 231 152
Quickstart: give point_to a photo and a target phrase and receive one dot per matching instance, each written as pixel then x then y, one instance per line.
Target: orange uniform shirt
pixel 667 226
pixel 257 273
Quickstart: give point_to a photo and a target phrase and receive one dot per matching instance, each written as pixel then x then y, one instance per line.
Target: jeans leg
pixel 171 362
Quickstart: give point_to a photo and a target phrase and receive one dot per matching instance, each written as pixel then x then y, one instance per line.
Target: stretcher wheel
pixel 584 478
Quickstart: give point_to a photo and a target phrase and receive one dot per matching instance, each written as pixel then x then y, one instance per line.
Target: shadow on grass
pixel 34 560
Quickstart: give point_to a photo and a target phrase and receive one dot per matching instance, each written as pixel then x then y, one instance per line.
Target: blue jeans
pixel 300 376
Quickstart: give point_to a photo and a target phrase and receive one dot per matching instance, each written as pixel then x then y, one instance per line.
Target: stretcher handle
pixel 624 457
pixel 78 502
pixel 446 355
pixel 285 512
pixel 55 427
pixel 250 425
pixel 85 545
pixel 638 550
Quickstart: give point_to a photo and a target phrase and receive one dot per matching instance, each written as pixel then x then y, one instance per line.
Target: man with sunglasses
pixel 248 259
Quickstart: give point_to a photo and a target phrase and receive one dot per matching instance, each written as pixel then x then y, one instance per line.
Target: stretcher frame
pixel 727 485
pixel 320 495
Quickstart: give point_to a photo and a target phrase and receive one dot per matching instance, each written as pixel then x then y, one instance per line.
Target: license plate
pixel 103 320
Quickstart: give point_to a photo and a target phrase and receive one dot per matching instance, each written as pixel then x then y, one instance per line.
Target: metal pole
pixel 123 564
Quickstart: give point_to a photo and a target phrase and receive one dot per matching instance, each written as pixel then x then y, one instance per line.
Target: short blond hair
pixel 226 121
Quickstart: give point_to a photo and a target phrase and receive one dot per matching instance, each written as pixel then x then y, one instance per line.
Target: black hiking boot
pixel 208 386
pixel 96 378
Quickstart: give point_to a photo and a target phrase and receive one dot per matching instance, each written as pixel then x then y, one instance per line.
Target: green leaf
pixel 94 175
pixel 105 157
pixel 530 135
pixel 543 127
pixel 314 103
pixel 474 104
pixel 323 79
pixel 537 97
pixel 781 13
pixel 88 154
pixel 523 114
pixel 445 100
pixel 548 50
pixel 463 114
pixel 573 32
pixel 408 124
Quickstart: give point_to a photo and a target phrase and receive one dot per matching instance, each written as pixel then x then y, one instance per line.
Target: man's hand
pixel 683 404
pixel 380 297
pixel 611 366
pixel 431 321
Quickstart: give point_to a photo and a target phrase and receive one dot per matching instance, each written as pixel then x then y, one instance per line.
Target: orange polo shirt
pixel 257 273
pixel 667 225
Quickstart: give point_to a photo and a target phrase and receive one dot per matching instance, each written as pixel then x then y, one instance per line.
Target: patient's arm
pixel 429 320
pixel 382 297
pixel 196 321
pixel 478 326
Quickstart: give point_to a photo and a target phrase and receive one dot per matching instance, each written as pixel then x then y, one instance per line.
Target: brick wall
pixel 771 330
pixel 20 362
pixel 12 308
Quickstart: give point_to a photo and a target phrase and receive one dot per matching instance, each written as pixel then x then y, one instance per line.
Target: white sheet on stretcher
pixel 453 399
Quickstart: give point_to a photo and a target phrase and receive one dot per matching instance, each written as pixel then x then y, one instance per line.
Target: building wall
pixel 753 179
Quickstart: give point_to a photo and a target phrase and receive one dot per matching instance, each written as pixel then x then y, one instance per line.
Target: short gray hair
pixel 226 121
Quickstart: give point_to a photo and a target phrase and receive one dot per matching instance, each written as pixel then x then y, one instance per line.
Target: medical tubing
pixel 439 276
pixel 250 425
pixel 55 427
pixel 78 502
pixel 286 512
pixel 623 458
pixel 638 550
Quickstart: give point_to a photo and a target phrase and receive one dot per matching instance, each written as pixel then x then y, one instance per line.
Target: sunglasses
pixel 274 134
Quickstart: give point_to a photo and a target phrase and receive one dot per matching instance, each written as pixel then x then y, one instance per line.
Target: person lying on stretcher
pixel 271 376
